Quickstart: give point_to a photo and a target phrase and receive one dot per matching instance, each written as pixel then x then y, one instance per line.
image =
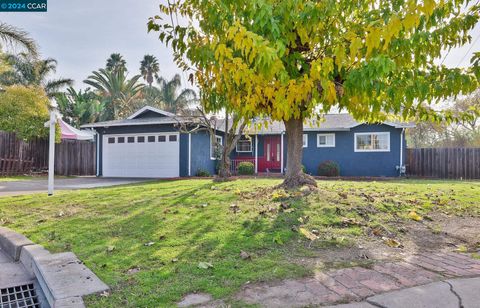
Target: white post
pixel 98 153
pixel 401 150
pixel 281 154
pixel 189 154
pixel 256 153
pixel 51 153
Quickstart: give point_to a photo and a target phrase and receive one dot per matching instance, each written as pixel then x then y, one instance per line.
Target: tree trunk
pixel 295 177
pixel 225 163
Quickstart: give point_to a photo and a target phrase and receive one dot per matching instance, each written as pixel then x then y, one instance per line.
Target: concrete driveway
pixel 39 185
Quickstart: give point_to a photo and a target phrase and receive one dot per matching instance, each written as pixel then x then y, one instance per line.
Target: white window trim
pixel 326 145
pixel 305 140
pixel 243 140
pixel 371 133
pixel 221 142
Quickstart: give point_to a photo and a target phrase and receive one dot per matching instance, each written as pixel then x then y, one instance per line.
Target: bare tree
pixel 233 127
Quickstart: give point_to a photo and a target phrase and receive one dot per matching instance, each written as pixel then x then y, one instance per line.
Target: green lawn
pixel 15 178
pixel 146 240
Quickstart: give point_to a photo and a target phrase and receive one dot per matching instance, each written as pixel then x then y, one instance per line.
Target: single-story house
pixel 155 143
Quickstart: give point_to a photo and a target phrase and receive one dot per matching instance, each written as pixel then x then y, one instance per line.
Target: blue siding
pixel 201 153
pixel 355 163
pixel 184 154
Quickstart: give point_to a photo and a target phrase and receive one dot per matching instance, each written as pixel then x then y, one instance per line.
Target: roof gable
pixel 150 112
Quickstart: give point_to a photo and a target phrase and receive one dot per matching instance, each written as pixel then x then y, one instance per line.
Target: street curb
pixel 12 242
pixel 62 277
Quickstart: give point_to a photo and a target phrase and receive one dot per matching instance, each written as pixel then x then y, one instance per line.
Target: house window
pixel 305 140
pixel 325 140
pixel 244 145
pixel 172 138
pixel 216 147
pixel 140 139
pixel 111 140
pixel 162 138
pixel 151 139
pixel 121 140
pixel 372 142
pixel 130 139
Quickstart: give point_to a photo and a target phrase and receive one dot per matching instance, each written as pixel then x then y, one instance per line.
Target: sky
pixel 81 34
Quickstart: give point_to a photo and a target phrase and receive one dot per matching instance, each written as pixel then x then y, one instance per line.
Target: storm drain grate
pixel 19 297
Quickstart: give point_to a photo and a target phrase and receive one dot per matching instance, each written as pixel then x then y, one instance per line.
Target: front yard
pixel 155 242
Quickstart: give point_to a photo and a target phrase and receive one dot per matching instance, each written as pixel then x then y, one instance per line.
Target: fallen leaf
pixel 149 244
pixel 110 248
pixel 204 265
pixel 392 242
pixel 174 260
pixel 343 195
pixel 245 255
pixel 308 234
pixel 234 208
pixel 133 270
pixel 414 216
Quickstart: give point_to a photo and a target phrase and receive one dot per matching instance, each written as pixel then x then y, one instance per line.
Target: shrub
pixel 328 168
pixel 304 169
pixel 202 173
pixel 245 168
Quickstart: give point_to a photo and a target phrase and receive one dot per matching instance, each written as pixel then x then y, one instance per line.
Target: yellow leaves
pixel 222 52
pixel 373 39
pixel 355 45
pixel 428 7
pixel 411 21
pixel 392 30
pixel 330 92
pixel 302 33
pixel 339 56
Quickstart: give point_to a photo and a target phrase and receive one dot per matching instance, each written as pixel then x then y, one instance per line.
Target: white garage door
pixel 141 155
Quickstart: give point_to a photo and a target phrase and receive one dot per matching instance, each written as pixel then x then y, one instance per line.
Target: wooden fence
pixel 72 157
pixel 444 163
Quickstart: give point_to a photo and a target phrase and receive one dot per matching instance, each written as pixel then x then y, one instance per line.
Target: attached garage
pixel 141 155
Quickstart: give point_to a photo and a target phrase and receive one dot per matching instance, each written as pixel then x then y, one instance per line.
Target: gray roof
pixel 328 122
pixel 129 122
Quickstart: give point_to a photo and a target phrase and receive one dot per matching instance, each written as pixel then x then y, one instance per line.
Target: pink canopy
pixel 70 132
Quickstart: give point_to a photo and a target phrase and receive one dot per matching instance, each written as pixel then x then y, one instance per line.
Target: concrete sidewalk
pixel 455 293
pixel 39 185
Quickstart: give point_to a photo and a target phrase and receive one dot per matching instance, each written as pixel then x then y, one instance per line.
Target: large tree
pixel 30 71
pixel 24 110
pixel 118 92
pixel 149 68
pixel 291 60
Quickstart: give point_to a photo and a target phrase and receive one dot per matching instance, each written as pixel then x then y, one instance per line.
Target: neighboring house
pixel 150 143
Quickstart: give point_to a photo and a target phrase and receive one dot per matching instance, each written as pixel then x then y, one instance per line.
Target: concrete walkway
pixel 455 293
pixel 39 185
pixel 424 280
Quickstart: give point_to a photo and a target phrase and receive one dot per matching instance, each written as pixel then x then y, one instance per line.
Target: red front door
pixel 271 154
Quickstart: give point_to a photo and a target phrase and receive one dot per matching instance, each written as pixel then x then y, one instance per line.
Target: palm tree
pixel 118 92
pixel 17 37
pixel 149 68
pixel 174 98
pixel 80 107
pixel 29 71
pixel 116 62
